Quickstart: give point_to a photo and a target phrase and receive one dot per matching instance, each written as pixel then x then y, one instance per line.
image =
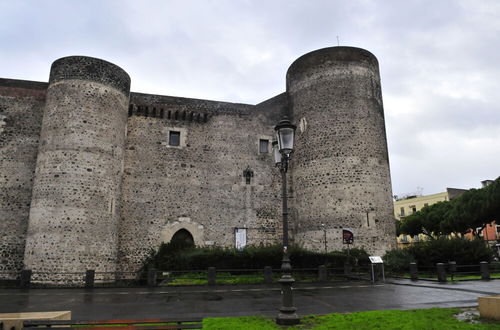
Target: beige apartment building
pixel 410 204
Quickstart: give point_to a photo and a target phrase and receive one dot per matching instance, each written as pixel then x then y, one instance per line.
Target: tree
pixel 469 212
pixel 434 215
pixel 428 220
pixel 473 209
pixel 397 223
pixel 492 201
pixel 411 225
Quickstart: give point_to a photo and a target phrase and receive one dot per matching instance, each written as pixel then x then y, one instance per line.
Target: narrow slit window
pixel 174 138
pixel 263 146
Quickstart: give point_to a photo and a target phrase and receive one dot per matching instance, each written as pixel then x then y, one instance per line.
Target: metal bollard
pixel 211 276
pixel 441 272
pixel 152 277
pixel 322 273
pixel 485 270
pixel 89 278
pixel 452 267
pixel 413 271
pixel 347 268
pixel 268 275
pixel 25 279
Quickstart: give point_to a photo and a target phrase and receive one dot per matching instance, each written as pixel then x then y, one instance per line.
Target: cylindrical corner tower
pixel 340 168
pixel 76 194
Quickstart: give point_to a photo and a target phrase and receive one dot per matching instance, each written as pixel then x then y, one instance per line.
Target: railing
pixel 441 272
pixel 211 276
pixel 450 271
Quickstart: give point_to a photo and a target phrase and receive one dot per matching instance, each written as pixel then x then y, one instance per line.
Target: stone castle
pixel 94 176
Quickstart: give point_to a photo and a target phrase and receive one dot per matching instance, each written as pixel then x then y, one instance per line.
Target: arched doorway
pixel 182 239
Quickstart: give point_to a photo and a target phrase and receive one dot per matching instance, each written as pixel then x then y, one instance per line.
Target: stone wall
pixel 105 185
pixel 199 185
pixel 21 108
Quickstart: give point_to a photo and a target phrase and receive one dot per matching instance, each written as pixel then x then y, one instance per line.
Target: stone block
pixel 489 307
pixel 14 321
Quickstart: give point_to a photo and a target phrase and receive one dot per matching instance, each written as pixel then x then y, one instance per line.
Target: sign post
pixel 376 260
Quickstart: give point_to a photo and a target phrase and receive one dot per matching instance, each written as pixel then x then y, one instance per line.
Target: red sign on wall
pixel 347 236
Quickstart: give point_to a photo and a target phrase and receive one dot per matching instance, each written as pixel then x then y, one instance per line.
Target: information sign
pixel 376 260
pixel 241 238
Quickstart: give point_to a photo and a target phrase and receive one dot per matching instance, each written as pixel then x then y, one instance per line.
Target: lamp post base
pixel 287 315
pixel 287 319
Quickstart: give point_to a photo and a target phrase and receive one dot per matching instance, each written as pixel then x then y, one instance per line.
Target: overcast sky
pixel 439 61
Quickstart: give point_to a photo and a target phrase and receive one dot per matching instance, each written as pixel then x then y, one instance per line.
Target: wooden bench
pixel 153 324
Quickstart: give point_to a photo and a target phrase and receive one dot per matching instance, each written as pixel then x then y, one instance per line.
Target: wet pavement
pixel 202 301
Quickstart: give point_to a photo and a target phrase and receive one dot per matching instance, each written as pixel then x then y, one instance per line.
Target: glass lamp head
pixel 285 132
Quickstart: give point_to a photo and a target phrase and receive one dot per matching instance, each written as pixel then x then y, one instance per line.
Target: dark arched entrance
pixel 182 238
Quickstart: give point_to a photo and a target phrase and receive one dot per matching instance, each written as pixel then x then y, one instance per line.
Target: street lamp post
pixel 324 236
pixel 282 149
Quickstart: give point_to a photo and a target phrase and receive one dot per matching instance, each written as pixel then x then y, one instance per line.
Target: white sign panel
pixel 241 238
pixel 376 260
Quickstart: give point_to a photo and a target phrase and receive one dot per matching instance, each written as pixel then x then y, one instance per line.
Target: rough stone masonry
pixel 94 176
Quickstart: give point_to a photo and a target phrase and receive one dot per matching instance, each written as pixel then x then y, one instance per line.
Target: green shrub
pixel 398 260
pixel 427 254
pixel 461 250
pixel 170 257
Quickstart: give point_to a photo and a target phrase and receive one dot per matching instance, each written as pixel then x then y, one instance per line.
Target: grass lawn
pixel 228 278
pixel 222 278
pixel 435 318
pixel 456 277
pixel 472 277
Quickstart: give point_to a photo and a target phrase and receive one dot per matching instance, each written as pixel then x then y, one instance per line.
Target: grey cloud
pixel 438 60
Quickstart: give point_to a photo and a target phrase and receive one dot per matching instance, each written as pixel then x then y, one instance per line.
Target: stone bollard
pixel 322 273
pixel 268 275
pixel 211 276
pixel 152 277
pixel 89 278
pixel 413 271
pixel 485 270
pixel 441 272
pixel 25 279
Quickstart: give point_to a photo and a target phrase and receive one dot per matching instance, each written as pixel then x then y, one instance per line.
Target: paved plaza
pixel 203 301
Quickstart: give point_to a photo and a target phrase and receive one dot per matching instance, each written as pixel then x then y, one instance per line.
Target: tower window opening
pixel 174 138
pixel 263 146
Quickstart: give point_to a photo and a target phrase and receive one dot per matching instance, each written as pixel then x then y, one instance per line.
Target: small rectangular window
pixel 263 146
pixel 174 138
pixel 402 212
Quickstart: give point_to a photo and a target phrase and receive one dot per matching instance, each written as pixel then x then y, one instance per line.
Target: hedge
pixel 170 257
pixel 427 254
